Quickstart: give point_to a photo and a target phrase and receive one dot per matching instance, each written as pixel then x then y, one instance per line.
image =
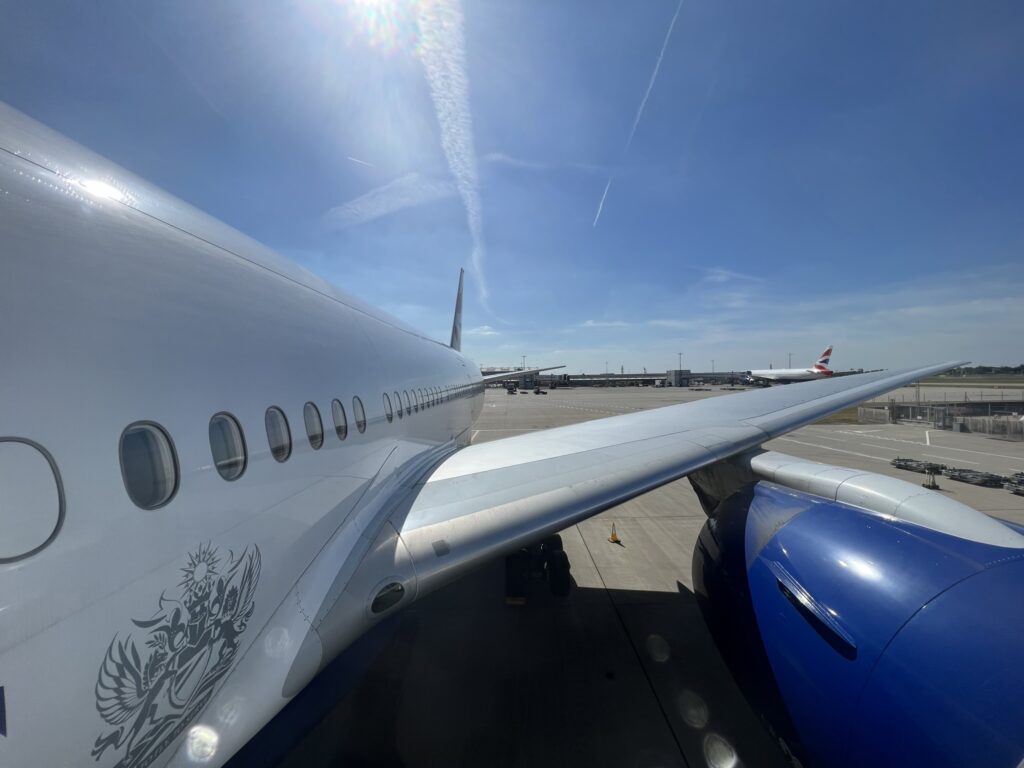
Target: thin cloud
pixel 482 330
pixel 357 161
pixel 676 324
pixel 443 53
pixel 715 275
pixel 406 191
pixel 604 324
pixel 500 158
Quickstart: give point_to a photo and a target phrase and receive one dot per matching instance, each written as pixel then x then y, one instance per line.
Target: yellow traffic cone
pixel 614 538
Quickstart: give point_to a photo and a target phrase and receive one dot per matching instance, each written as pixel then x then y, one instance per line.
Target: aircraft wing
pixel 516 374
pixel 495 497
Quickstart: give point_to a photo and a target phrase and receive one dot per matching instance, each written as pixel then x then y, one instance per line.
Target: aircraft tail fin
pixel 822 363
pixel 456 343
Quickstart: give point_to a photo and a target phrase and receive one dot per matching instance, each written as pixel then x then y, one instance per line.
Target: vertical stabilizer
pixel 822 363
pixel 457 322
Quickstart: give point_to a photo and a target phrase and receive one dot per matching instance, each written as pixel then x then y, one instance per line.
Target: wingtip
pixel 456 341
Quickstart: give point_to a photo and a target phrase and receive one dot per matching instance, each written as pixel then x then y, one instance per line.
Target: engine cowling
pixel 863 639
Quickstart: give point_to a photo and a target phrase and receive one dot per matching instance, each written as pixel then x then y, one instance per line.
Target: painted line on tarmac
pixel 509 429
pixel 885 448
pixel 837 450
pixel 949 458
pixel 980 453
pixel 873 437
pixel 914 442
pixel 847 441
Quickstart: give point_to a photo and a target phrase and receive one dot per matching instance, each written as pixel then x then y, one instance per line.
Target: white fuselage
pixel 120 304
pixel 786 375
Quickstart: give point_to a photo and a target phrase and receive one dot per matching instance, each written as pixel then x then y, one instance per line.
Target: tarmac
pixel 623 671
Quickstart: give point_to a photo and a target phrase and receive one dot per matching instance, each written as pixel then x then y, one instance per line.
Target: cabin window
pixel 314 426
pixel 279 436
pixel 340 420
pixel 398 404
pixel 149 465
pixel 360 413
pixel 408 402
pixel 388 413
pixel 227 446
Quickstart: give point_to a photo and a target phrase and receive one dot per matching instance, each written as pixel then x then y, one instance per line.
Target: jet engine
pixel 867 620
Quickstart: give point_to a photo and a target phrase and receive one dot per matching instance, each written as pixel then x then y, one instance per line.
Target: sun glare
pixel 102 189
pixel 389 25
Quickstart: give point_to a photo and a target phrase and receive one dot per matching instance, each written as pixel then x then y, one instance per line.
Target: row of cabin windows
pixel 149 462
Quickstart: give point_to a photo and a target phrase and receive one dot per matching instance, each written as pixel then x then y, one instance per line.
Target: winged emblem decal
pixel 150 693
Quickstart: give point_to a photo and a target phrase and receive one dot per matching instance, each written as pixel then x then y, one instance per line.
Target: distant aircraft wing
pixel 495 497
pixel 517 374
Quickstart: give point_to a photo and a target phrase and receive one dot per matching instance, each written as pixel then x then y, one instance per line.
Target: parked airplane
pixel 217 471
pixel 771 376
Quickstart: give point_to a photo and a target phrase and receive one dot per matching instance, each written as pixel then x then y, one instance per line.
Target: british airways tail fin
pixel 822 363
pixel 457 322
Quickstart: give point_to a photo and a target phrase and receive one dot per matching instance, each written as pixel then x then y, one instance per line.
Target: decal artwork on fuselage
pixel 150 694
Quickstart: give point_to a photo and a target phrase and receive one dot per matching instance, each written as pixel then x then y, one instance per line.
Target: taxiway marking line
pixel 830 448
pixel 947 458
pixel 914 442
pixel 507 429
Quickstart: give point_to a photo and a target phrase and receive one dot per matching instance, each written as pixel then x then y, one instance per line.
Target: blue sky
pixel 800 174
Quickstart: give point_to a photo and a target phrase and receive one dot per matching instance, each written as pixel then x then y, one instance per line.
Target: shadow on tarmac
pixel 602 678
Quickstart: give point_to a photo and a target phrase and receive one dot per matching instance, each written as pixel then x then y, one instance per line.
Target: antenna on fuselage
pixel 457 322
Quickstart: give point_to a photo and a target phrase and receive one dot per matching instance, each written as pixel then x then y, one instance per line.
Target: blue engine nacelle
pixel 864 641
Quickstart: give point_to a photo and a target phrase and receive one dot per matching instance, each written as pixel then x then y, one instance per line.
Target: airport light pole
pixel 790 359
pixel 712 365
pixel 524 362
pixel 680 360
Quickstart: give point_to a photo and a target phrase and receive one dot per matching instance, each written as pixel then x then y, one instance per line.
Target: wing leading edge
pixel 495 497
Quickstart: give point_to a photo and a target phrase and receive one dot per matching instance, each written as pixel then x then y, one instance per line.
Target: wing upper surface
pixel 500 495
pixel 771 412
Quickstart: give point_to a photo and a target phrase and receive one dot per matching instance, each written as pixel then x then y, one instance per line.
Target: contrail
pixel 407 191
pixel 600 206
pixel 654 75
pixel 443 53
pixel 643 102
pixel 359 162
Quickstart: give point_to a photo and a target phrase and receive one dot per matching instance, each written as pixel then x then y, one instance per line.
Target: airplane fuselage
pixel 787 375
pixel 125 306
